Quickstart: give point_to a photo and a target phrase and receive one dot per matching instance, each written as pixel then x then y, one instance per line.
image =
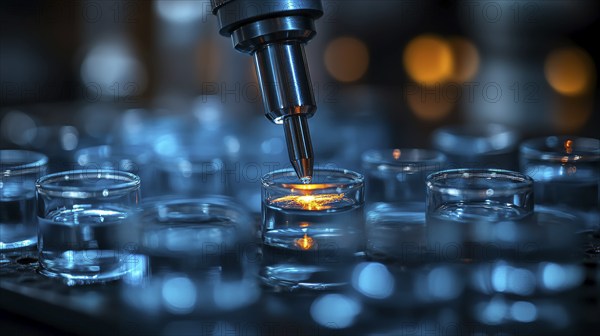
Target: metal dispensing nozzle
pixel 275 32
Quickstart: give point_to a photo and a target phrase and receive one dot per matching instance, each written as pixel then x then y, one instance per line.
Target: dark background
pixel 68 63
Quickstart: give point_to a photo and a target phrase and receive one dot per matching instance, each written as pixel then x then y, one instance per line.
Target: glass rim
pixel 152 209
pixel 354 180
pixel 383 159
pixel 207 201
pixel 521 182
pixel 489 139
pixel 216 199
pixel 33 165
pixel 46 185
pixel 538 148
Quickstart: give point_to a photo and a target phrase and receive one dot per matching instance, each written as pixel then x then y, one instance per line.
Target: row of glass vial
pixel 314 212
pixel 471 238
pixel 566 173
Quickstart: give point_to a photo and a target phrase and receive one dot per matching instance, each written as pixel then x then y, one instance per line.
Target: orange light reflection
pixel 305 243
pixel 346 59
pixel 569 146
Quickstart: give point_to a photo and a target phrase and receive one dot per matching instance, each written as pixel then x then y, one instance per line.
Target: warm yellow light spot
pixel 304 224
pixel 466 59
pixel 428 60
pixel 429 106
pixel 564 159
pixel 396 154
pixel 308 202
pixel 346 59
pixel 570 114
pixel 570 71
pixel 305 242
pixel 569 146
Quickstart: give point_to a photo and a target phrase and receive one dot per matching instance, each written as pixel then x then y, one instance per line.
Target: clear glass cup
pixel 566 170
pixel 138 160
pixel 310 232
pixel 516 258
pixel 201 256
pixel 81 214
pixel 395 197
pixel 467 209
pixel 191 175
pixel 18 223
pixel 476 146
pixel 566 173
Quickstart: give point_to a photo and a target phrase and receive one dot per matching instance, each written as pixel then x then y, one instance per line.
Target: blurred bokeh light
pixel 180 11
pixel 466 59
pixel 428 59
pixel 570 71
pixel 110 69
pixel 347 59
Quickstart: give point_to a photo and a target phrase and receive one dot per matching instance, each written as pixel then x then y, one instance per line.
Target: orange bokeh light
pixel 428 59
pixel 429 107
pixel 570 71
pixel 466 59
pixel 346 59
pixel 569 114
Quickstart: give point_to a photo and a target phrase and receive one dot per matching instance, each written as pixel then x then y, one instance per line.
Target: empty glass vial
pixel 467 209
pixel 566 170
pixel 201 257
pixel 476 146
pixel 310 232
pixel 516 258
pixel 81 214
pixel 395 197
pixel 191 174
pixel 566 173
pixel 138 160
pixel 18 222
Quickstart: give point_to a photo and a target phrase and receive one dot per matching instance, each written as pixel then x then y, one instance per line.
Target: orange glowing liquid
pixel 309 202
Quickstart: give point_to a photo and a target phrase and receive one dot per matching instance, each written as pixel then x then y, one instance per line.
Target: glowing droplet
pixel 569 146
pixel 396 154
pixel 105 192
pixel 305 243
pixel 306 179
